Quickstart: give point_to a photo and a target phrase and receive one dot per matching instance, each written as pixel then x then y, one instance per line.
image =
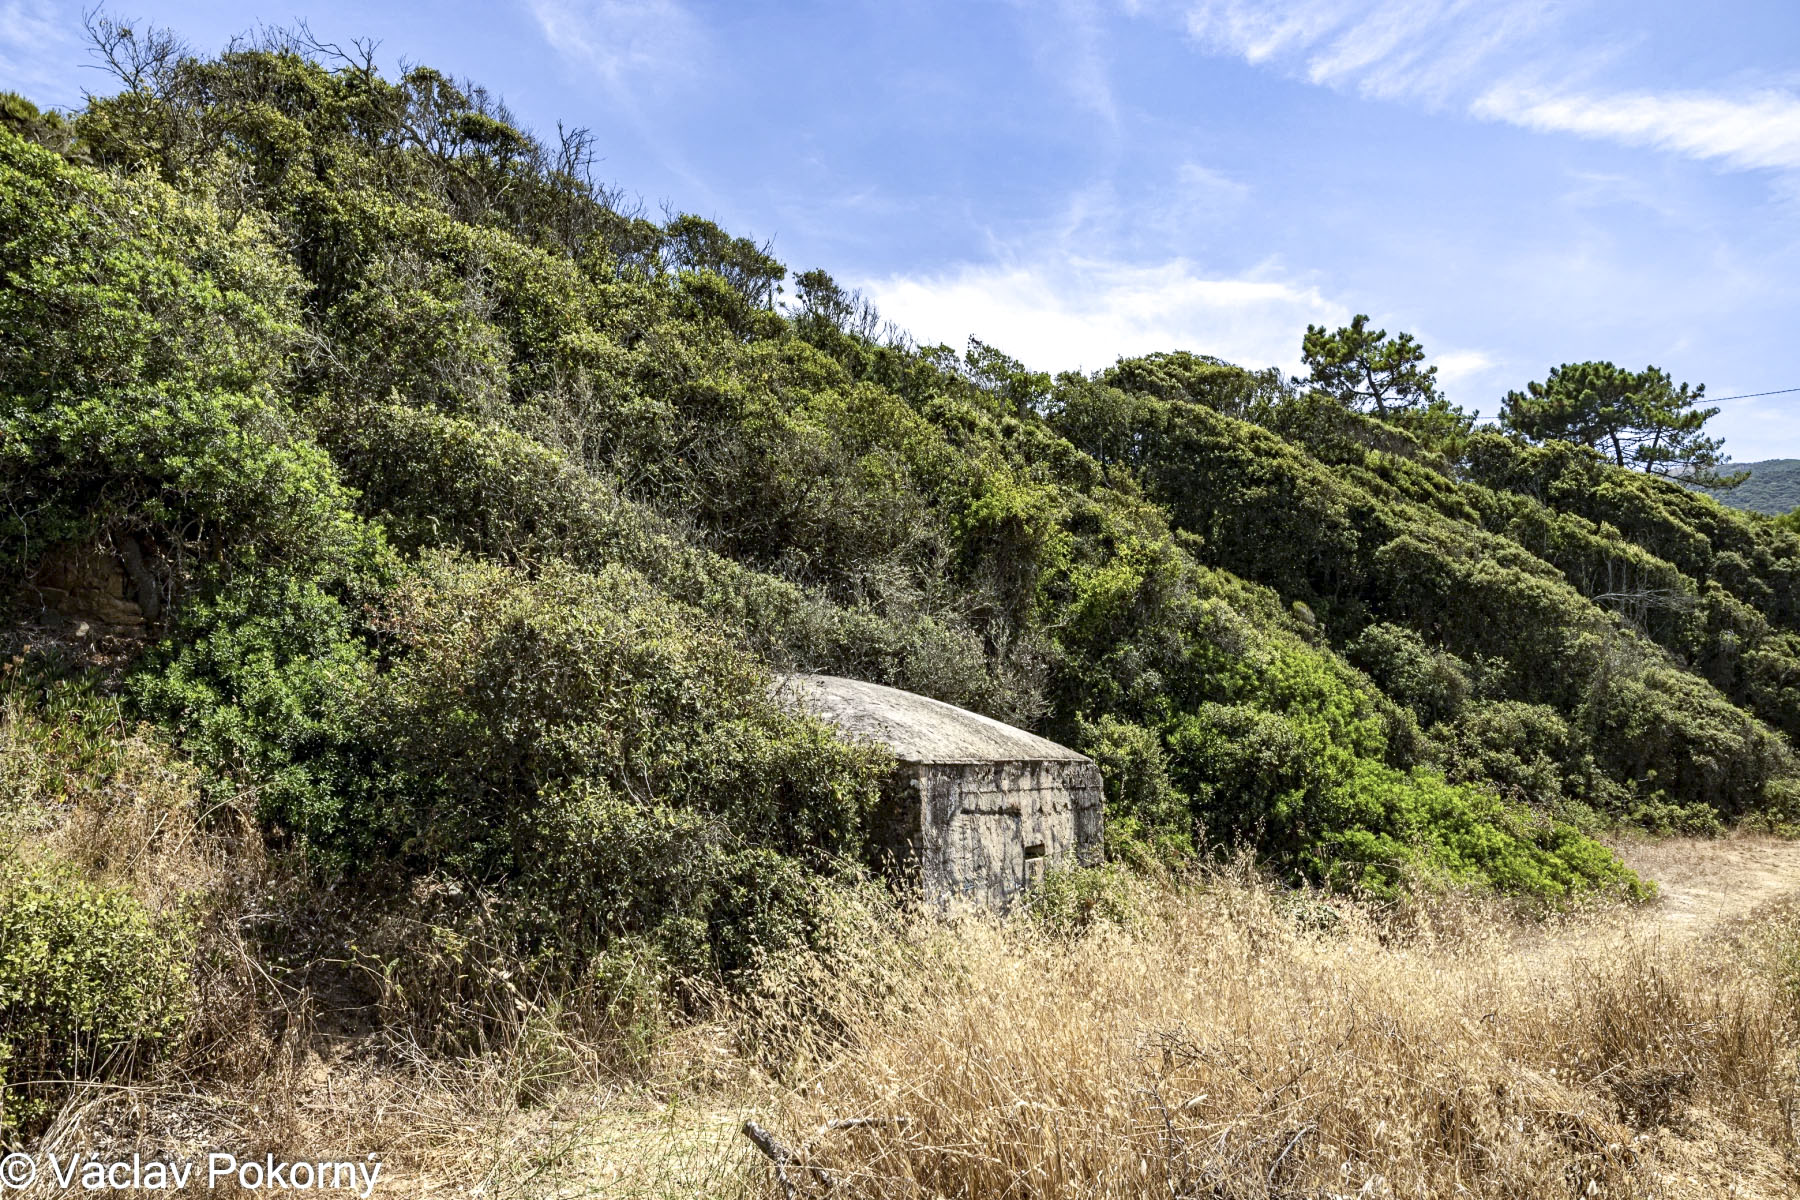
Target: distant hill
pixel 1773 486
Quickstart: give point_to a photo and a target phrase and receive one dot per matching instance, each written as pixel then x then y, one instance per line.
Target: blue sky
pixel 1518 183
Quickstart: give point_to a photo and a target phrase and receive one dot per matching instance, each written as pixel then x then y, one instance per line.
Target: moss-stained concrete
pixel 977 808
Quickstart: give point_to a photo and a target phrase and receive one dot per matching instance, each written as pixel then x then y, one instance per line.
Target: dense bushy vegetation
pixel 470 511
pixel 87 978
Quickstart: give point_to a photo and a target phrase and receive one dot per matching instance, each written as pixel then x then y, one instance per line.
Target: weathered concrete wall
pixel 977 809
pixel 986 831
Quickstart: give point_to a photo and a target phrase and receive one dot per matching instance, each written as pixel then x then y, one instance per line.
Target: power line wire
pixel 1754 395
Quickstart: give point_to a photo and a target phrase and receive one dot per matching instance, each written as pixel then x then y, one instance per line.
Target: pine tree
pixel 1369 370
pixel 1639 419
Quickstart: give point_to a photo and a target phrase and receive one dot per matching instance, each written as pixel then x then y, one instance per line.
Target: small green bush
pixel 1147 817
pixel 595 755
pixel 91 986
pixel 1071 900
pixel 501 692
pixel 1526 752
pixel 1392 825
pixel 1660 816
pixel 1433 683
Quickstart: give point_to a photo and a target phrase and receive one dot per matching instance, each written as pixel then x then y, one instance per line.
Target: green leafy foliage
pixel 1637 418
pixel 1364 368
pixel 479 509
pixel 91 986
pixel 1433 684
pixel 501 691
pixel 145 337
pixel 595 750
pixel 1069 901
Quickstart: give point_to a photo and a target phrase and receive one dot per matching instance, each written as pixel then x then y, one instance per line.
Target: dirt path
pixel 1705 883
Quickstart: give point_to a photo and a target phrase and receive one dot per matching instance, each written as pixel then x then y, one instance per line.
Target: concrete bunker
pixel 976 809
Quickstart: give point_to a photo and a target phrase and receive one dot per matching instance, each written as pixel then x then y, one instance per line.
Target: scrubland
pixel 1207 1034
pixel 400 533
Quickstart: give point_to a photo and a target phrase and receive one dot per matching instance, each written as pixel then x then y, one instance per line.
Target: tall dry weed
pixel 1234 1043
pixel 1218 1037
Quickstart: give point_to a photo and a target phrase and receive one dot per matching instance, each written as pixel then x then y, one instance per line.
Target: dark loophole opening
pixel 1036 851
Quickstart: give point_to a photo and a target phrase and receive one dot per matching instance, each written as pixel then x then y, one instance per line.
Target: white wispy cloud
pixel 640 52
pixel 1203 191
pixel 1070 45
pixel 623 41
pixel 1422 49
pixel 1071 313
pixel 1604 189
pixel 1459 368
pixel 1151 221
pixel 36 41
pixel 1492 56
pixel 1750 131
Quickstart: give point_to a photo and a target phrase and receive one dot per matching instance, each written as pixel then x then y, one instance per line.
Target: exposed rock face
pixel 977 809
pixel 91 591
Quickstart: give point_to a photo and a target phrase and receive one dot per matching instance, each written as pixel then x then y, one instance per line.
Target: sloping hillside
pixel 1773 487
pixel 441 522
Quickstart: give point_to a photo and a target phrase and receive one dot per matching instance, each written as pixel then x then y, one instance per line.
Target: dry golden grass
pixel 1238 1044
pixel 1231 1040
pixel 110 800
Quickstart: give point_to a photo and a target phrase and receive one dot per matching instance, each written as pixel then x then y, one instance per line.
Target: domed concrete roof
pixel 917 729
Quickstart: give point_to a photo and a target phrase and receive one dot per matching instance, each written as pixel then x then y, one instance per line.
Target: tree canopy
pixel 1639 419
pixel 1366 369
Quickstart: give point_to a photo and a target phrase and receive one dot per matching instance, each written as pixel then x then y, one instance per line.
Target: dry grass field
pixel 1229 1039
pixel 1212 1037
pixel 1237 1042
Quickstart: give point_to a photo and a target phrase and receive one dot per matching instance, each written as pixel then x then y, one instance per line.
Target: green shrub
pixel 1071 900
pixel 59 734
pixel 1433 683
pixel 92 986
pixel 1394 825
pixel 1255 772
pixel 499 690
pixel 261 683
pixel 601 756
pixel 1660 816
pixel 1146 815
pixel 1654 727
pixel 143 336
pixel 1526 752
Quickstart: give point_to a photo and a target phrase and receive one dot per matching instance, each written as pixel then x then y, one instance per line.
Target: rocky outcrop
pixel 95 591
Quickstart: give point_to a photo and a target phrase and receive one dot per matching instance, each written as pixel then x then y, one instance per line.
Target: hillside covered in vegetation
pixel 455 516
pixel 1771 486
